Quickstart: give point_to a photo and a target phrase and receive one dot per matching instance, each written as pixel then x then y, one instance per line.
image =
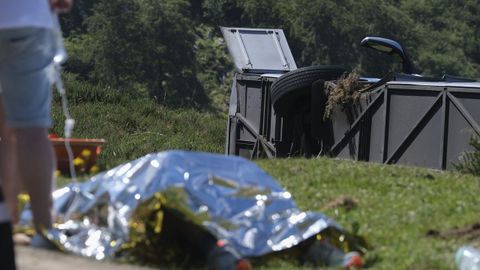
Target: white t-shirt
pixel 25 13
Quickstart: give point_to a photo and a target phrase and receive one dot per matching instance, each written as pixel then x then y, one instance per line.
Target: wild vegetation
pixel 173 49
pixel 149 75
pixel 414 218
pixel 470 161
pixel 154 55
pixel 134 125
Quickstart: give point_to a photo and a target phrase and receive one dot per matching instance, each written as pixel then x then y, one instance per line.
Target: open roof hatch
pixel 259 50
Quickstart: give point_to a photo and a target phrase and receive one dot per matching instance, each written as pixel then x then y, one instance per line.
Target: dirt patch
pixel 344 202
pixel 21 239
pixel 40 259
pixel 470 232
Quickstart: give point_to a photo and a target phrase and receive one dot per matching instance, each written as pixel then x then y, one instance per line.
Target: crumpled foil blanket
pixel 228 196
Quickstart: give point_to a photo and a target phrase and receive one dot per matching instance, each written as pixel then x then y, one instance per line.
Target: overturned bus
pixel 279 110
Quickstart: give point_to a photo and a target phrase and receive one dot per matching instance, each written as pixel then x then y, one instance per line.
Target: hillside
pixel 414 218
pixel 407 214
pixel 134 125
pixel 173 49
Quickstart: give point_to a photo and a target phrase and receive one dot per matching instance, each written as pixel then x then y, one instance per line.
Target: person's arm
pixel 61 6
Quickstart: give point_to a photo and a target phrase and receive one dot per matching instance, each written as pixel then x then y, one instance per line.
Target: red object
pixel 243 264
pixel 94 147
pixel 221 243
pixel 355 262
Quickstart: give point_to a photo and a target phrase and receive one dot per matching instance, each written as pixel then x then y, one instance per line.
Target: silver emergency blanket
pixel 228 196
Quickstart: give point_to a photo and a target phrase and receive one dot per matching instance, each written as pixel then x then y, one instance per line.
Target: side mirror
pixel 391 47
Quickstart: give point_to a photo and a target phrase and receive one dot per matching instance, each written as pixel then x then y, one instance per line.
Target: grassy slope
pixel 140 127
pixel 397 205
pixel 134 126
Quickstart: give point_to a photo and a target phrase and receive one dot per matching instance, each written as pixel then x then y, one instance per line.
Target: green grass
pixel 134 125
pixel 396 205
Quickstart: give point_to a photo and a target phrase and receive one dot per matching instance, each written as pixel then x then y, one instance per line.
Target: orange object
pixel 85 153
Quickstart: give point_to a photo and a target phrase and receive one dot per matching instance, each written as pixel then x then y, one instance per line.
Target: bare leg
pixel 8 169
pixel 36 166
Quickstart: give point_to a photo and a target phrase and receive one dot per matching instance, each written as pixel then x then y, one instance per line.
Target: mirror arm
pixel 394 46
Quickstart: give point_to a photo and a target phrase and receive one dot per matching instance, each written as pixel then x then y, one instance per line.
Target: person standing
pixel 27 48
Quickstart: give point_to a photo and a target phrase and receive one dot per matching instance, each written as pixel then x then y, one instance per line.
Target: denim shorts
pixel 26 76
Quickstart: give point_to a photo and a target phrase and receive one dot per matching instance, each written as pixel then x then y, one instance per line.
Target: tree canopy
pixel 173 49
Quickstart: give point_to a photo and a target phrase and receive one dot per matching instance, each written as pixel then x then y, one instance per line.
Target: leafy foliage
pixel 142 42
pixel 214 68
pixel 136 64
pixel 470 161
pixel 173 49
pixel 395 204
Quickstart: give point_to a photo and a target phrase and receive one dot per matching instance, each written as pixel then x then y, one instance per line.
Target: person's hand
pixel 61 6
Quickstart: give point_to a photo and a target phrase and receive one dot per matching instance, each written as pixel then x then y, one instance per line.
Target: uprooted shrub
pixel 345 93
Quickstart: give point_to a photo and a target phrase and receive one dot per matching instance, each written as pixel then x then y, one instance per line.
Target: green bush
pixel 470 161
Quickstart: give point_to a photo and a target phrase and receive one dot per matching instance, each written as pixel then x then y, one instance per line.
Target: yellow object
pixel 94 169
pixel 78 161
pixel 86 153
